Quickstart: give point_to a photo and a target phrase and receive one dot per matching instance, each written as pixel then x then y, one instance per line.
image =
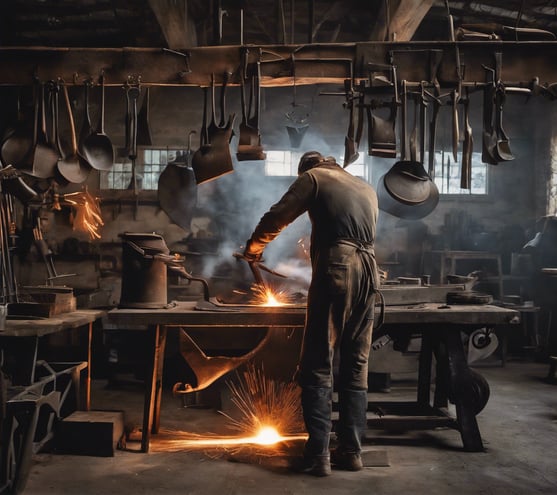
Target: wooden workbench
pixel 439 325
pixel 21 339
pixel 39 390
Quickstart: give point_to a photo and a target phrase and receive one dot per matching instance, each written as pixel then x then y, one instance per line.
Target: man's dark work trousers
pixel 352 421
pixel 317 403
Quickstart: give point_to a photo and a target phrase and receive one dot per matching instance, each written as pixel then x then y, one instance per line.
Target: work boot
pixel 347 461
pixel 317 465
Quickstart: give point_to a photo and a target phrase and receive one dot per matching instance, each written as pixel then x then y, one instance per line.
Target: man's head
pixel 311 159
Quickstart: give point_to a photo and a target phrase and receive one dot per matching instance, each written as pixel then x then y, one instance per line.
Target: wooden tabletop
pixel 44 326
pixel 185 313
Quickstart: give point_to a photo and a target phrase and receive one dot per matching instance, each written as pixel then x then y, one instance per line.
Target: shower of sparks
pixel 269 418
pixel 263 402
pixel 86 212
pixel 270 296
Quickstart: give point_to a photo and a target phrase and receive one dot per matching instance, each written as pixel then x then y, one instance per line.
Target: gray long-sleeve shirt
pixel 340 206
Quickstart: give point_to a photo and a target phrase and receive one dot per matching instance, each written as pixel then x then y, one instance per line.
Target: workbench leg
pixel 442 374
pixel 87 404
pixel 155 425
pixel 424 372
pixel 149 406
pixel 462 386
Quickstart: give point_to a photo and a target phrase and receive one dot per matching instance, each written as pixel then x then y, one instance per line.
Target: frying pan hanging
pixel 400 209
pixel 406 190
pixel 19 139
pixel 177 189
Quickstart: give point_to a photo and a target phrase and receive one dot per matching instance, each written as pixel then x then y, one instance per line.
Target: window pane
pixel 148 170
pixel 279 163
pixel 447 174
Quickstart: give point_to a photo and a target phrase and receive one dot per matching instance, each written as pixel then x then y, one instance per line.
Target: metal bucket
pixel 144 278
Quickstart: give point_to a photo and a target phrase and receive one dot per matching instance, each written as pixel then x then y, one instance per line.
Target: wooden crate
pixel 94 433
pixel 44 301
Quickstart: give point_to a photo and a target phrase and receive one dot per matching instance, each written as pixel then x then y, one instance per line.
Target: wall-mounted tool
pixel 45 156
pixel 249 142
pixel 350 147
pixel 72 166
pixel 97 147
pixel 213 158
pixel 144 137
pixel 502 148
pixel 467 148
pixel 132 95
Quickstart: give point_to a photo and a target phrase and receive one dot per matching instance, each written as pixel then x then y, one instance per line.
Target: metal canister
pixel 144 278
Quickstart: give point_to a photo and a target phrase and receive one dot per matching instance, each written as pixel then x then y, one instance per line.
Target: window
pixel 285 163
pixel 149 165
pixel 447 174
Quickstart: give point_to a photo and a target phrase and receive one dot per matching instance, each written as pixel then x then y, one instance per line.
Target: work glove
pixel 249 255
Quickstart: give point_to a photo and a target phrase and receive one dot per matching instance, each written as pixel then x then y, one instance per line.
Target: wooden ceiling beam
pixel 405 17
pixel 523 62
pixel 175 22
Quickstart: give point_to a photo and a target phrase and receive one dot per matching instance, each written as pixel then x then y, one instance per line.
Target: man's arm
pixel 292 204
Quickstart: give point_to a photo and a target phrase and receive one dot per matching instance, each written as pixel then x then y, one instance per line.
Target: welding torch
pixel 256 267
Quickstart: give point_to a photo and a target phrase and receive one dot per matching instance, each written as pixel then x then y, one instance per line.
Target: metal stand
pixel 30 415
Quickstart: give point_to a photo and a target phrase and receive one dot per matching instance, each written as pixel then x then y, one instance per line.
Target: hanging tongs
pixel 456 93
pixel 132 95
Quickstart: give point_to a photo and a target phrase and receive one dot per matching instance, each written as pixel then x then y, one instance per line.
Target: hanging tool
pixel 467 148
pixel 256 267
pixel 455 94
pixel 47 255
pixel 132 95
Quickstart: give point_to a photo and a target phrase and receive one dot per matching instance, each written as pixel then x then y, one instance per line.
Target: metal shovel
pixel 382 133
pixel 502 148
pixel 249 144
pixel 73 167
pixel 213 159
pixel 489 137
pixel 467 148
pixel 45 157
pixel 97 147
pixel 350 148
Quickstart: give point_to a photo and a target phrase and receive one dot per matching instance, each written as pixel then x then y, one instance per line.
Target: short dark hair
pixel 309 160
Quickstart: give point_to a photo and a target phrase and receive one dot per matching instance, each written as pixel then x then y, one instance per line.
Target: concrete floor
pixel 518 426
